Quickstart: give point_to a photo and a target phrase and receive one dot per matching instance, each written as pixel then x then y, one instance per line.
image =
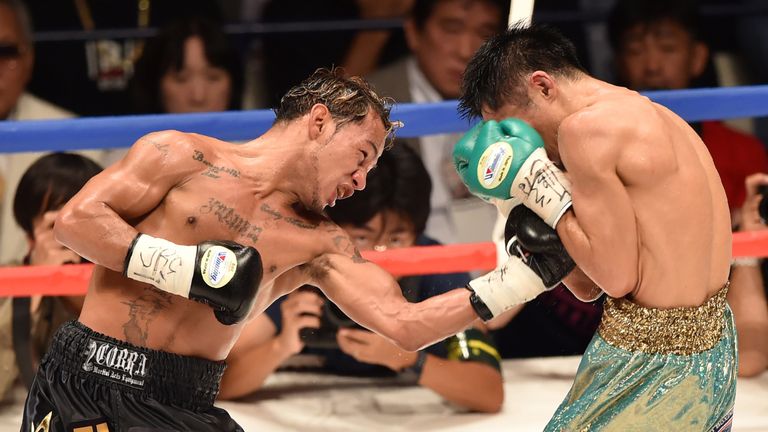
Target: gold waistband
pixel 682 330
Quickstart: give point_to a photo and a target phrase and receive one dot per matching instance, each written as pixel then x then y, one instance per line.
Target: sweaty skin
pixel 649 217
pixel 269 194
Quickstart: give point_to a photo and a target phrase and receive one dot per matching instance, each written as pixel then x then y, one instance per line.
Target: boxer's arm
pixel 93 223
pixel 371 297
pixel 600 231
pixel 582 287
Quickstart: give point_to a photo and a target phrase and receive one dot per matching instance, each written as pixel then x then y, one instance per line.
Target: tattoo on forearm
pixel 214 170
pixel 231 219
pixel 276 215
pixel 141 312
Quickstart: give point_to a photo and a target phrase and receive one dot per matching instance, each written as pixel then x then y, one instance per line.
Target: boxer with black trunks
pixel 231 227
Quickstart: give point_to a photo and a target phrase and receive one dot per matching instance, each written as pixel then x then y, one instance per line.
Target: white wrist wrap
pixel 164 264
pixel 511 284
pixel 542 187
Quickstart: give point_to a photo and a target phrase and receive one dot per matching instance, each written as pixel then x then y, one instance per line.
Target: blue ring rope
pixel 419 119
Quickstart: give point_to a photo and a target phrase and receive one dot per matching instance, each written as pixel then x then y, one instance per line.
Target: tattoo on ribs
pixel 141 312
pixel 231 219
pixel 276 215
pixel 214 170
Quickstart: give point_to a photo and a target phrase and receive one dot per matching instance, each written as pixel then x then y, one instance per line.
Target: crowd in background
pixel 199 59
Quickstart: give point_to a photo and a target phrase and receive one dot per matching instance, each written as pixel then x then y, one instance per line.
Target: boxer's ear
pixel 319 121
pixel 542 84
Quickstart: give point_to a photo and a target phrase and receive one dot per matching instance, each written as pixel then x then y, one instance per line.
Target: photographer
pixel 747 295
pixel 390 213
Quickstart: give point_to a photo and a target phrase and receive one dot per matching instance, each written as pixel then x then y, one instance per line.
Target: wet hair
pixel 422 10
pixel 48 184
pixel 165 52
pixel 628 13
pixel 399 183
pixel 347 98
pixel 19 8
pixel 496 73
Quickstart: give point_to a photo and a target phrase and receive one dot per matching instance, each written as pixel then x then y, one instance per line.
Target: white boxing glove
pixel 508 285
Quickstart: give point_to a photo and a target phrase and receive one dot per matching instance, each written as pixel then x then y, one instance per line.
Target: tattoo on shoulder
pixel 162 147
pixel 276 215
pixel 228 217
pixel 344 245
pixel 214 170
pixel 141 312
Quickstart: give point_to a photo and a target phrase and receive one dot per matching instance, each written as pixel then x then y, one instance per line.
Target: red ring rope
pixel 73 279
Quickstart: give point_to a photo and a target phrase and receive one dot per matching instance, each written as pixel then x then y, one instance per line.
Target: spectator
pixel 390 213
pixel 45 186
pixel 658 46
pixel 189 67
pixel 747 295
pixel 288 57
pixel 93 80
pixel 442 35
pixel 16 62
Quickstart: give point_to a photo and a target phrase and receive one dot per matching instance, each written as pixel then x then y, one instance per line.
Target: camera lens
pixel 762 209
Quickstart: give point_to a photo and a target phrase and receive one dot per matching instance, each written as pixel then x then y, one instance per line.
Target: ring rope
pixel 69 280
pixel 420 119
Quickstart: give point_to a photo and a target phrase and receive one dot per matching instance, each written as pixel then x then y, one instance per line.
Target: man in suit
pixel 442 35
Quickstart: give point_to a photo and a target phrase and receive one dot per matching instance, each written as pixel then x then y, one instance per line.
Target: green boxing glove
pixel 506 160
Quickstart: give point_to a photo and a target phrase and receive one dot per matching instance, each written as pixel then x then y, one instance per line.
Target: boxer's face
pixel 448 39
pixel 198 86
pixel 345 158
pixel 15 61
pixel 662 55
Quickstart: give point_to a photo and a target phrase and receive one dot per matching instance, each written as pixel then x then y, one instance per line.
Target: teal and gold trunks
pixel 655 370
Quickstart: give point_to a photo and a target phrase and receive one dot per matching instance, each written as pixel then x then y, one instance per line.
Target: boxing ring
pixel 291 401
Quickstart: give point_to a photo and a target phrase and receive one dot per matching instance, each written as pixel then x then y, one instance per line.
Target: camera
pixel 331 320
pixel 762 209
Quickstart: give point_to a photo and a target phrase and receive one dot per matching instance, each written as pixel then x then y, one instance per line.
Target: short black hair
pixel 495 73
pixel 399 183
pixel 48 184
pixel 165 52
pixel 422 10
pixel 628 13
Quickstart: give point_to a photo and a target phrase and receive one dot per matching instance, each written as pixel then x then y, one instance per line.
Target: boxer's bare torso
pixel 649 219
pixel 649 209
pixel 190 188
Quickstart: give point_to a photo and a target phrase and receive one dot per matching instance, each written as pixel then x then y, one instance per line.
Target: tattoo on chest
pixel 231 219
pixel 141 311
pixel 213 171
pixel 276 215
